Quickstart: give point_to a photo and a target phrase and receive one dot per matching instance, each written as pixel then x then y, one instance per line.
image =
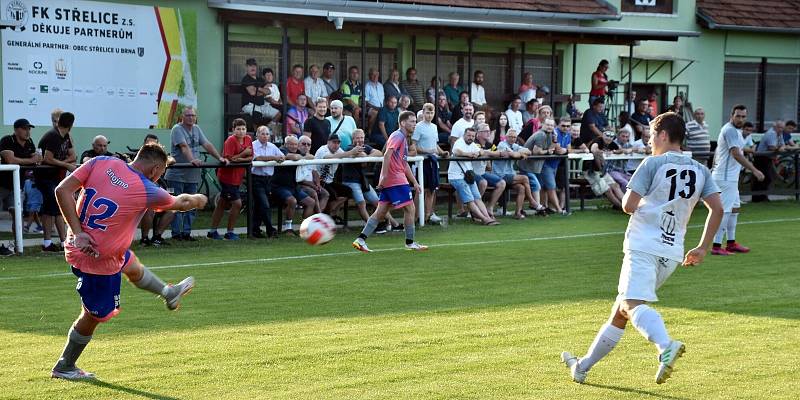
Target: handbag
pixel 469 175
pixel 335 94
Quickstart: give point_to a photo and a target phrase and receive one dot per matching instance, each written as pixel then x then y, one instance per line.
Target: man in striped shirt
pixel 697 138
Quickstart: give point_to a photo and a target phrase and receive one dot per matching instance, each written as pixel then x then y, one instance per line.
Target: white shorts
pixel 729 195
pixel 265 109
pixel 642 274
pixel 600 185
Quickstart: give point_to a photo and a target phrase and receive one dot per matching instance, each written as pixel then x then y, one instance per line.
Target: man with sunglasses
pixel 187 139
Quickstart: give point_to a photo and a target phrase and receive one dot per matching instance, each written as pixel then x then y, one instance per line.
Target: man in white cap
pixel 341 125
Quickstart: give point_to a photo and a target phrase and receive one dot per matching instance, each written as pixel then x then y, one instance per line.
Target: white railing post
pixel 17 204
pixel 421 197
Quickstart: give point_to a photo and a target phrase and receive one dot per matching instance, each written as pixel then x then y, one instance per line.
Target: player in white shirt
pixel 661 196
pixel 728 162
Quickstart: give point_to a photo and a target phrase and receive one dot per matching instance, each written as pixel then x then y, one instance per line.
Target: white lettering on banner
pixel 71 51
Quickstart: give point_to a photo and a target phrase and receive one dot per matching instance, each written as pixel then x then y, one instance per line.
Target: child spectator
pixel 237 148
pixel 33 202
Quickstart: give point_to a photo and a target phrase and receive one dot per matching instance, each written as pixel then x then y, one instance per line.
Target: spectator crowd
pixel 488 151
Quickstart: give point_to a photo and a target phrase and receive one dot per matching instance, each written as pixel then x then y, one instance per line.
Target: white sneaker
pixel 572 363
pixel 667 360
pixel 181 289
pixel 361 245
pixel 76 374
pixel 416 247
pixel 435 219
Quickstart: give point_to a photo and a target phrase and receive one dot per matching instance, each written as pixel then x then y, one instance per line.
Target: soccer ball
pixel 318 229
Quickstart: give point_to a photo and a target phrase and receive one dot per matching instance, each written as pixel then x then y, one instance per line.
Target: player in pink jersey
pixel 113 199
pixel 394 186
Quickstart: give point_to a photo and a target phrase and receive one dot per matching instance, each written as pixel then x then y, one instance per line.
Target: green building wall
pixel 705 77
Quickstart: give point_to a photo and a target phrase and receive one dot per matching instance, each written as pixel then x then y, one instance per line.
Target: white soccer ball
pixel 318 229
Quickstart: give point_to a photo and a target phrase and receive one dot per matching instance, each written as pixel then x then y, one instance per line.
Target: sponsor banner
pixel 113 65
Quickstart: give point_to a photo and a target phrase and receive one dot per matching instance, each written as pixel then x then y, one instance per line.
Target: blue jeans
pixel 183 219
pixel 262 213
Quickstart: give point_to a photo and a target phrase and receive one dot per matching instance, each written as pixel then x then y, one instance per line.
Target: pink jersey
pixel 113 200
pixel 398 146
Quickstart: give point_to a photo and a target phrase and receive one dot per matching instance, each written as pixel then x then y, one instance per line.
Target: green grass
pixel 461 321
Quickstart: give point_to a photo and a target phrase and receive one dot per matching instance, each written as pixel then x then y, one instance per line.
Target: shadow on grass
pixel 636 391
pixel 477 276
pixel 123 389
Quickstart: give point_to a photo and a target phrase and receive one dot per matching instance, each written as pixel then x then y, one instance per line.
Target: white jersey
pixel 670 185
pixel 726 168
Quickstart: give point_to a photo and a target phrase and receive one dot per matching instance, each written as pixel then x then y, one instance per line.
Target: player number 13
pixel 688 179
pixel 104 208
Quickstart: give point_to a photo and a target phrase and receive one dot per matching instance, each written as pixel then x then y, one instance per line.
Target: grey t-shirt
pixel 770 139
pixel 195 140
pixel 541 139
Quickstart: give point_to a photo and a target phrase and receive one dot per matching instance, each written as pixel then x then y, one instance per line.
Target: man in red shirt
pixel 295 85
pixel 237 148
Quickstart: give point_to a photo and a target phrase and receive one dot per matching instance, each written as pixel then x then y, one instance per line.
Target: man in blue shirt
pixel 594 121
pixel 387 122
pixel 564 140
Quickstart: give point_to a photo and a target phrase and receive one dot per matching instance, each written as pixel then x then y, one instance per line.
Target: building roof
pixel 594 7
pixel 778 16
pixel 560 20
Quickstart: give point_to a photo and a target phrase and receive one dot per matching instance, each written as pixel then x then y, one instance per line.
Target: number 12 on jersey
pixel 104 208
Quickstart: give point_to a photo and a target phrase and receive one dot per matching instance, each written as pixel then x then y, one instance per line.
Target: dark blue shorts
pixel 430 172
pixel 398 196
pixel 100 293
pixel 230 192
pixel 285 192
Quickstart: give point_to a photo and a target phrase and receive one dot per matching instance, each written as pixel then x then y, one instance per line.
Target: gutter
pixel 395 8
pixel 396 18
pixel 710 24
pixel 403 20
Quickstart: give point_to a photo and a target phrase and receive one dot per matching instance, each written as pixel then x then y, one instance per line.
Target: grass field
pixel 483 315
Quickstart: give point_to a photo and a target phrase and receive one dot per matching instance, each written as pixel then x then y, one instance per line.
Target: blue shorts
pixel 398 196
pixel 491 179
pixel 358 193
pixel 230 192
pixel 547 178
pixel 466 192
pixel 534 181
pixel 100 293
pixel 285 192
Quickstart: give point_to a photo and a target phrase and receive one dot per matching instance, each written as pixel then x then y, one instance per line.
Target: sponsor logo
pixel 44 89
pixel 32 89
pixel 55 89
pixel 140 51
pixel 17 11
pixel 61 69
pixel 37 68
pixel 33 102
pixel 667 225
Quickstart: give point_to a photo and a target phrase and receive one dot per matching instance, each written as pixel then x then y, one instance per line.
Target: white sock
pixel 649 323
pixel 47 242
pixel 733 219
pixel 722 228
pixel 605 341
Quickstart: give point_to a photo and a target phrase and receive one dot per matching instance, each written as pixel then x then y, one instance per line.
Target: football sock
pixel 723 226
pixel 733 219
pixel 152 283
pixel 409 233
pixel 649 323
pixel 72 350
pixel 369 227
pixel 605 341
pixel 47 242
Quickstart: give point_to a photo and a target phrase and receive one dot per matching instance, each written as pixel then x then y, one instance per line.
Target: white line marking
pixel 354 252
